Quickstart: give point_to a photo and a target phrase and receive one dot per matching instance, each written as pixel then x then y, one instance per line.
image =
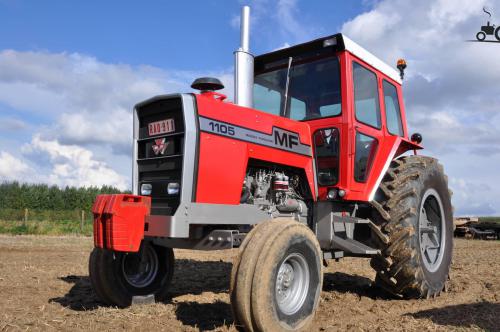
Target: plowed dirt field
pixel 44 285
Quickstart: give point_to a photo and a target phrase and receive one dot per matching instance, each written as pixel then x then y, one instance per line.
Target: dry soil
pixel 44 285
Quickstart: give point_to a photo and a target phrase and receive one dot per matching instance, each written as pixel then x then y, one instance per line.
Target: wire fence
pixel 45 222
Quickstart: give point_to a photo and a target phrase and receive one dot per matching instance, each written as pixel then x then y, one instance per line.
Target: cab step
pixel 352 246
pixel 335 233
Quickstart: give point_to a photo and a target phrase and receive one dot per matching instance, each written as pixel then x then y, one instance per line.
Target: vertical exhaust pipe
pixel 243 64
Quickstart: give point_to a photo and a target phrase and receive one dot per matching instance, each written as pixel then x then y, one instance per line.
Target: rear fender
pixel 393 147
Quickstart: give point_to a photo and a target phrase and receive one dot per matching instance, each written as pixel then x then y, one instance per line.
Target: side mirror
pixel 417 138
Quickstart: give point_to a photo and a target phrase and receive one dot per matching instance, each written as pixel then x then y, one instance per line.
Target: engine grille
pixel 159 169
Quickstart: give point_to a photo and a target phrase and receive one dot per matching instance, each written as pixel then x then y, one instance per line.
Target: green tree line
pixel 14 195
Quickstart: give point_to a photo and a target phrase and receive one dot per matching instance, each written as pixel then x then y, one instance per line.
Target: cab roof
pixel 329 44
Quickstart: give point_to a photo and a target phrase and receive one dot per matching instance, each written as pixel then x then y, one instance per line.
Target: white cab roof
pixel 370 59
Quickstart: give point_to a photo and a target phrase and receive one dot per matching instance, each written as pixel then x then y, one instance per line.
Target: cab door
pixel 367 131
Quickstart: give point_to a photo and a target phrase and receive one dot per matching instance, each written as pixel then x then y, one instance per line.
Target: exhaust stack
pixel 243 64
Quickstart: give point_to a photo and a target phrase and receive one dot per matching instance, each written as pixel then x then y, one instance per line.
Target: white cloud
pixel 12 168
pixel 72 165
pixel 377 22
pixel 73 108
pixel 88 100
pixel 287 13
pixel 113 128
pixel 465 193
pixel 12 124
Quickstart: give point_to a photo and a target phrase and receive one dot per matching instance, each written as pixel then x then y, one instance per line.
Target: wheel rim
pixel 140 269
pixel 432 230
pixel 292 283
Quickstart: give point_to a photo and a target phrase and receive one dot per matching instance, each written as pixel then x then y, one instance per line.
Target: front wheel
pixel 413 208
pixel 278 278
pixel 481 36
pixel 118 277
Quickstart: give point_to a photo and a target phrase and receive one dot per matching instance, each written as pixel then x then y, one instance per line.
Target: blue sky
pixel 71 71
pixel 185 35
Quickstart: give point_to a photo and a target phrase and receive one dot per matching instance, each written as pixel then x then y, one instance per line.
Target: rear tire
pixel 497 33
pixel 117 277
pixel 413 208
pixel 279 278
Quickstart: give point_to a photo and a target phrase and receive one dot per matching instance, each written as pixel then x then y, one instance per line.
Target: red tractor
pixel 312 162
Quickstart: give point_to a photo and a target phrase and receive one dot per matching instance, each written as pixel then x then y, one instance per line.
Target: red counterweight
pixel 119 221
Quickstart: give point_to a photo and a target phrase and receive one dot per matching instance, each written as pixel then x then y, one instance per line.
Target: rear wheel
pixel 497 33
pixel 279 277
pixel 413 208
pixel 117 277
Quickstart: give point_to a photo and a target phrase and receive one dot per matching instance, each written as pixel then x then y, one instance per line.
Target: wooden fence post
pixel 82 221
pixel 25 215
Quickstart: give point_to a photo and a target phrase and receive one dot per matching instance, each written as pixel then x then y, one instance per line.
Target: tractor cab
pixel 352 102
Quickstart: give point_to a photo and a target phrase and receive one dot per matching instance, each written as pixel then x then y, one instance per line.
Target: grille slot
pixel 159 168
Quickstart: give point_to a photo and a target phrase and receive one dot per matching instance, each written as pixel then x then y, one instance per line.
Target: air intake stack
pixel 243 64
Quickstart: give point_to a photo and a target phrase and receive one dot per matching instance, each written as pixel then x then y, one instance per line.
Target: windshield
pixel 313 89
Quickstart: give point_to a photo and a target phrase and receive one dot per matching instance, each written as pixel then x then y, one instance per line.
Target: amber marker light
pixel 401 66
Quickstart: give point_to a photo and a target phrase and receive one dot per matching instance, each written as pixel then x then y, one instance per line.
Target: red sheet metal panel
pixel 119 221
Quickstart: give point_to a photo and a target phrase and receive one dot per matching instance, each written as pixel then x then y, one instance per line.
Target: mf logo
pixel 488 30
pixel 284 139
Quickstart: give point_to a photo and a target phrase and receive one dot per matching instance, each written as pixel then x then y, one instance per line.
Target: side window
pixel 267 99
pixel 366 148
pixel 326 146
pixel 366 101
pixel 297 109
pixel 392 110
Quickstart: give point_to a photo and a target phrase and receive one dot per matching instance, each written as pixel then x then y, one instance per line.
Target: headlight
pixel 332 194
pixel 146 189
pixel 173 188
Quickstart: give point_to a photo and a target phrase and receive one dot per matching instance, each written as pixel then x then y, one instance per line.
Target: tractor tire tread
pixel 262 316
pixel 95 276
pixel 241 287
pixel 398 269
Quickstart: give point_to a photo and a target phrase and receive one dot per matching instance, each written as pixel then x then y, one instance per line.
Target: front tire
pixel 278 279
pixel 94 275
pixel 118 277
pixel 413 208
pixel 480 36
